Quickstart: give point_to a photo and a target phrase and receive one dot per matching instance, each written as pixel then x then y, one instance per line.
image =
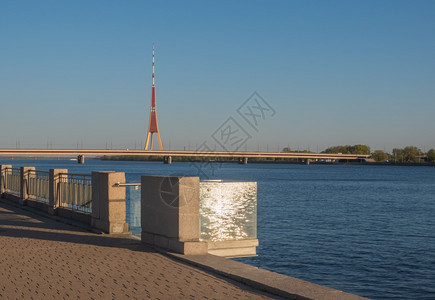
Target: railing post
pixel 108 202
pixel 3 178
pixel 170 214
pixel 24 178
pixel 54 189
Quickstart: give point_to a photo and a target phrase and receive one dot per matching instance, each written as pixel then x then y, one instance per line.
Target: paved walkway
pixel 44 259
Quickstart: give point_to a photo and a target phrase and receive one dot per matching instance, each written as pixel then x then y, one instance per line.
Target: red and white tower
pixel 153 126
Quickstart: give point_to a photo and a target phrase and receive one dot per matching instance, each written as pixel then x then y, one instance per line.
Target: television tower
pixel 153 127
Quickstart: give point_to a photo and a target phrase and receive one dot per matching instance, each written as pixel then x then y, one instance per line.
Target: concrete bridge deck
pixel 188 153
pixel 45 259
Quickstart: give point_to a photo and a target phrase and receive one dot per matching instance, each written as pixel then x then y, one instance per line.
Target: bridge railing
pixel 12 182
pixel 75 192
pixel 38 185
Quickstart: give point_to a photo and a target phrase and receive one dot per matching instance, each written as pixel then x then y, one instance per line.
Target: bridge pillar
pixel 3 178
pixel 243 160
pixel 307 161
pixel 24 177
pixel 81 159
pixel 53 189
pixel 167 160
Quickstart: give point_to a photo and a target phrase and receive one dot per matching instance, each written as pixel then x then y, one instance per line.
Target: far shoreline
pixel 261 161
pixel 202 160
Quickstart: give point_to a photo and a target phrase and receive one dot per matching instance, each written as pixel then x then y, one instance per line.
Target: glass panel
pixel 228 210
pixel 133 211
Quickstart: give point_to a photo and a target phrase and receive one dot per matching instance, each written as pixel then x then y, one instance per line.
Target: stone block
pixel 108 202
pixel 147 238
pixel 24 176
pixel 170 212
pixel 170 206
pixel 233 248
pixel 3 178
pixel 53 193
pixel 188 248
pixel 161 241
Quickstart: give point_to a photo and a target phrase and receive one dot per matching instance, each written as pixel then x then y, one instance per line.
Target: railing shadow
pixel 15 222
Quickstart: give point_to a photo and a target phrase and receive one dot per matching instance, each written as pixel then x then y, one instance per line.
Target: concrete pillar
pixel 53 193
pixel 108 202
pixel 307 161
pixel 24 176
pixel 3 178
pixel 170 214
pixel 81 159
pixel 243 160
pixel 167 160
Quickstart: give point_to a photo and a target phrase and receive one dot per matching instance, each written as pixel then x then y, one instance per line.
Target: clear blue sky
pixel 336 72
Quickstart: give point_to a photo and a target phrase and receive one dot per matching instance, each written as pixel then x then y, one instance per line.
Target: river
pixel 367 230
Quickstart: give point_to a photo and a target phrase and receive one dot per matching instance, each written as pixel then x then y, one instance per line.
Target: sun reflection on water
pixel 228 210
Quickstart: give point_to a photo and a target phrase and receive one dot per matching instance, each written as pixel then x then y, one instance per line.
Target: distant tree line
pixel 287 150
pixel 409 154
pixel 348 149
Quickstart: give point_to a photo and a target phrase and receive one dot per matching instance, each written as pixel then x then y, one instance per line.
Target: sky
pixel 77 74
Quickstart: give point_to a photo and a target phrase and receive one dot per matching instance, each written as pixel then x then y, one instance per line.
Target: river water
pixel 367 230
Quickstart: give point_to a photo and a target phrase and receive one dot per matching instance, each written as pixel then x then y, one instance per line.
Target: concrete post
pixel 53 193
pixel 108 202
pixel 24 176
pixel 167 160
pixel 243 160
pixel 170 214
pixel 81 159
pixel 3 178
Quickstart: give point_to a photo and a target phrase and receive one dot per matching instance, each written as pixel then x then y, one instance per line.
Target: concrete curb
pixel 264 280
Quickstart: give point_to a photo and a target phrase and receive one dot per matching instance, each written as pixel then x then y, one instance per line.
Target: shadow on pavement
pixel 19 223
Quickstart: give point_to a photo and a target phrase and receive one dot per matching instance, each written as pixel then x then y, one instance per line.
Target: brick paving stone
pixel 44 259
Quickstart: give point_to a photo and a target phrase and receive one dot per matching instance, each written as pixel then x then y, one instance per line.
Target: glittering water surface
pixel 368 230
pixel 228 210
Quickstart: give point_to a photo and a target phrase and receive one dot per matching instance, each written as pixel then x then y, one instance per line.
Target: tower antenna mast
pixel 153 126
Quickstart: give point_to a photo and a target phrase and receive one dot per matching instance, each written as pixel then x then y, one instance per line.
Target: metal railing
pixel 13 180
pixel 38 185
pixel 136 184
pixel 132 205
pixel 75 191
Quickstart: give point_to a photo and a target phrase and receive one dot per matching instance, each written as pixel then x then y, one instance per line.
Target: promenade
pixel 41 258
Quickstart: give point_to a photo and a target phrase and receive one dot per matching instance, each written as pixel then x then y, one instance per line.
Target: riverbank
pixel 193 159
pixel 43 258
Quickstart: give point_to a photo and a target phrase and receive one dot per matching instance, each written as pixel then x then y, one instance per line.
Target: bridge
pixel 168 154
